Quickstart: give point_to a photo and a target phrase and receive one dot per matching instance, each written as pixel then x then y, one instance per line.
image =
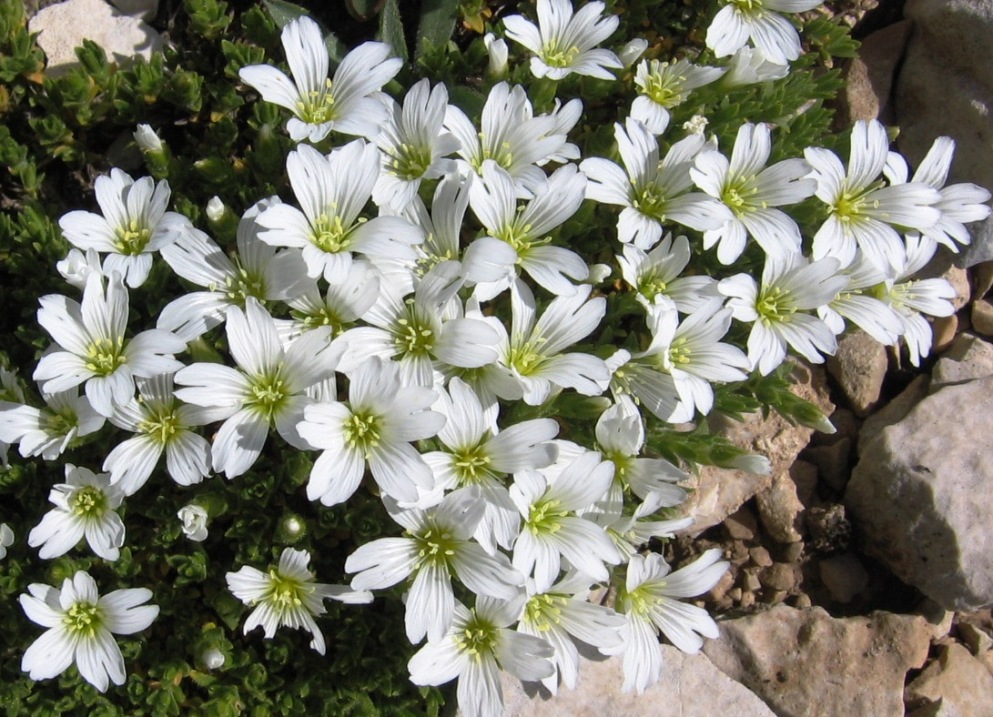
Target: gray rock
pixel 690 687
pixel 63 28
pixel 945 87
pixel 780 509
pixel 804 662
pixel 892 412
pixel 943 332
pixel 956 679
pixel 920 496
pixel 968 358
pixel 718 492
pixel 859 366
pixel 844 577
pixel 833 461
pixel 975 637
pixel 982 317
pixel 869 79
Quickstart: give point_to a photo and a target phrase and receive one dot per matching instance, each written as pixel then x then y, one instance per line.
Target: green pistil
pixel 621 465
pixel 410 162
pixel 679 353
pixel 736 196
pixel 267 394
pixel 60 423
pixel 323 317
pixel 773 305
pixel 88 502
pixel 132 239
pixel 104 356
pixel 526 359
pixel 651 285
pixel 749 7
pixel 162 425
pixel 851 206
pixel 284 593
pixel 362 431
pixel 546 517
pixel 412 336
pixel 651 201
pixel 82 619
pixel 318 106
pixel 555 56
pixel 239 288
pixel 478 638
pixel 435 547
pixel 471 465
pixel 520 238
pixel 501 155
pixel 543 611
pixel 665 89
pixel 330 234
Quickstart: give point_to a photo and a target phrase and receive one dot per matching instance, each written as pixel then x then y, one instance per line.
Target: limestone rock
pixel 893 411
pixel 920 496
pixel 844 577
pixel 943 332
pixel 780 508
pixel 956 679
pixel 968 358
pixel 690 687
pixel 804 662
pixel 859 366
pixel 982 317
pixel 870 75
pixel 63 27
pixel 718 492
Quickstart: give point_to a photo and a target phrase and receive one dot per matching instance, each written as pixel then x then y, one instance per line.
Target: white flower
pixel 6 539
pixel 439 546
pixel 84 506
pixel 749 66
pixel 562 615
pixel 146 139
pixel 790 286
pixel 551 530
pixel 49 431
pixel 663 85
pixel 751 191
pixel 348 104
pixel 332 192
pixel 959 203
pixel 194 520
pixel 858 303
pixel 77 267
pixel 413 145
pixel 257 271
pixel 648 387
pixel 268 388
pixel 656 273
pixel 525 230
pixel 339 308
pixel 477 646
pixel 134 224
pixel 742 20
pixel 533 352
pixel 564 42
pixel 863 211
pixel 377 425
pixel 650 603
pixel 632 50
pixel 692 353
pixel 652 192
pixel 93 347
pixel 422 331
pixel 162 425
pixel 287 596
pixel 81 625
pixel 496 48
pixel 510 135
pixel 474 454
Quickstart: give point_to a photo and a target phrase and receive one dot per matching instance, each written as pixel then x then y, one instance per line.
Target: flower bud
pixel 212 658
pixel 194 522
pixel 498 56
pixel 630 53
pixel 749 66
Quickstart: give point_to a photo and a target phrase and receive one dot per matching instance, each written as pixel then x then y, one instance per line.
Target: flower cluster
pixel 414 314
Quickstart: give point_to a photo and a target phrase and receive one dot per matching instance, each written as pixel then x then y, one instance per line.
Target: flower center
pixel 555 56
pixel 773 304
pixel 284 593
pixel 677 355
pixel 133 238
pixel 104 356
pixel 82 618
pixel 239 288
pixel 362 431
pixel 526 359
pixel 60 423
pixel 850 206
pixel 736 195
pixel 651 201
pixel 546 516
pixel 500 154
pixel 88 502
pixel 331 234
pixel 161 425
pixel 477 638
pixel 410 161
pixel 621 464
pixel 413 335
pixel 267 393
pixel 435 547
pixel 318 106
pixel 749 7
pixel 662 87
pixel 471 465
pixel 543 611
pixel 651 285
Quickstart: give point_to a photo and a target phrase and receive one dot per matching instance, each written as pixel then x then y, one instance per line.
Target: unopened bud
pixel 498 56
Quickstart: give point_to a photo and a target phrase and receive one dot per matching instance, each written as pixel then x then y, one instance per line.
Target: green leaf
pixel 364 9
pixel 436 25
pixel 391 29
pixel 284 12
